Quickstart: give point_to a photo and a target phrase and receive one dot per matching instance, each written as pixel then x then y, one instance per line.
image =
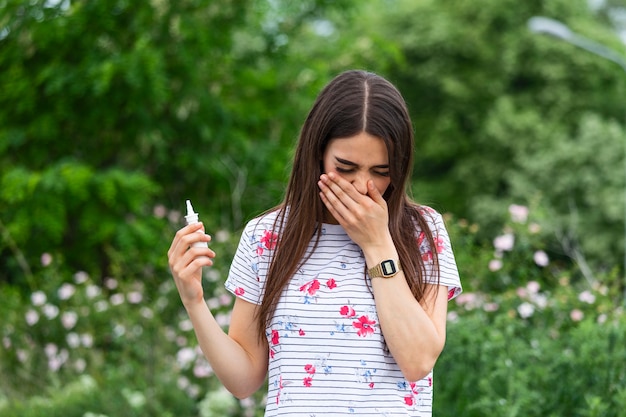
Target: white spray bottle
pixel 192 217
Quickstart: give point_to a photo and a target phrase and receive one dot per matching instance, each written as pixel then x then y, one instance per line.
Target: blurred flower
pixel 519 214
pixel 110 283
pixel 32 317
pixel 136 399
pixel 134 297
pixel 183 382
pixel 202 369
pixel 185 357
pixel 119 330
pixel 101 306
pixel 495 265
pixel 86 340
pixel 80 365
pixel 225 299
pixel 66 291
pixel 453 316
pixel 576 315
pixel 146 313
pixel 541 258
pixel 212 275
pixel 468 300
pixel 490 307
pixel 533 287
pixel 540 300
pixel 116 299
pixel 22 355
pixel 602 318
pixel 159 211
pixel 50 311
pixel 46 259
pixel 69 319
pixel 222 319
pixel 504 242
pixel 534 228
pixel 525 310
pixel 587 297
pixel 55 363
pixel 174 216
pixel 50 349
pixel 185 325
pixel 81 277
pixel 93 291
pixel 222 236
pixel 73 340
pixel 6 342
pixel 213 303
pixel 38 298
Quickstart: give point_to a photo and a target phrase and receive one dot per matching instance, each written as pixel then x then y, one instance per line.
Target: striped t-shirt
pixel 327 355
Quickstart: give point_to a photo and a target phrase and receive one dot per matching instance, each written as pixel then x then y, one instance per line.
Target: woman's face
pixel 358 159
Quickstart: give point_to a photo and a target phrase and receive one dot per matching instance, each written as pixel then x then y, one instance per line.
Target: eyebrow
pixel 350 163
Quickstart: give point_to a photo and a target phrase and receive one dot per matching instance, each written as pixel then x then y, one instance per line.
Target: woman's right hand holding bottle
pixel 186 262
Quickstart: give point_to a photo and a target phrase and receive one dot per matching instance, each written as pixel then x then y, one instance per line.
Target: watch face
pixel 388 267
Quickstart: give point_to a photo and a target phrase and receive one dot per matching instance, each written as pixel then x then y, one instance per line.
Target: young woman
pixel 341 290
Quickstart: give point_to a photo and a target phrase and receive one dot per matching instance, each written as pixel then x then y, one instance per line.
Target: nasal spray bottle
pixel 192 217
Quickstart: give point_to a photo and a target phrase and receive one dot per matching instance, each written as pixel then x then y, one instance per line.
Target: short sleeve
pixel 248 270
pixel 448 270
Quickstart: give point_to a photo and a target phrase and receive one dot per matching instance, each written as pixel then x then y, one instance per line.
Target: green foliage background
pixel 112 113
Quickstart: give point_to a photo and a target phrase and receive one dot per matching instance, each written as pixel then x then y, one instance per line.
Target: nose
pixel 360 183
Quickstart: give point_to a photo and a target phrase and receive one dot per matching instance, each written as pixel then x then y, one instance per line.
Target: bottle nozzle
pixel 190 211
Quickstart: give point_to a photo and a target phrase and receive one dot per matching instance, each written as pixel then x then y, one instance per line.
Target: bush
pixel 530 336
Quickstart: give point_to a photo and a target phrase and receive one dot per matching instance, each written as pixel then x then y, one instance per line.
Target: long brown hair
pixel 353 102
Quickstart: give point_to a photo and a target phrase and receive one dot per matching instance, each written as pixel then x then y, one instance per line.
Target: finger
pixel 342 190
pixel 331 209
pixel 374 194
pixel 333 203
pixel 182 233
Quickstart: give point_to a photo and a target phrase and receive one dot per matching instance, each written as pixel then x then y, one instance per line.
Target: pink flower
pixel 347 311
pixel 46 259
pixel 408 400
pixel 365 326
pixel 301 332
pixel 311 287
pixel 331 283
pixel 533 287
pixel 495 265
pixel 307 381
pixel 275 337
pixel 587 297
pixel 504 242
pixel 239 291
pixel 576 315
pixel 519 214
pixel 440 244
pixel 309 369
pixel 269 239
pixel 541 258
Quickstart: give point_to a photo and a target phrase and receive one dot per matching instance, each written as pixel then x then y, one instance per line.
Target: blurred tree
pixel 109 108
pixel 496 106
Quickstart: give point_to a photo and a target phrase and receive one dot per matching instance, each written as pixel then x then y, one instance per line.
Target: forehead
pixel 363 148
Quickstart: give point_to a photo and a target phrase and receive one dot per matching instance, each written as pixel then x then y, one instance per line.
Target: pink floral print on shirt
pixel 269 239
pixel 427 254
pixel 364 326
